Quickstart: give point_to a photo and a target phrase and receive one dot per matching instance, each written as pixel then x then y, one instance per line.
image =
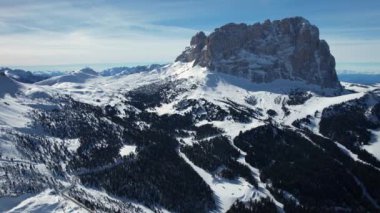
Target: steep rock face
pixel 263 52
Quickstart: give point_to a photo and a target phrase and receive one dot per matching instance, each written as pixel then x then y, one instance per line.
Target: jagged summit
pixel 282 49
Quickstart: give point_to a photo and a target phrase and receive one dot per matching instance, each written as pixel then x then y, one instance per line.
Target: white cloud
pixel 62 33
pixel 80 47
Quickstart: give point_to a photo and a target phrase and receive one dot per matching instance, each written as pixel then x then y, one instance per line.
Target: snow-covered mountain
pixel 187 138
pixel 80 76
pixel 23 76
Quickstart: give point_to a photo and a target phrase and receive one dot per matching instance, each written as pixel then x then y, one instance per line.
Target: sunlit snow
pixel 127 150
pixel 374 147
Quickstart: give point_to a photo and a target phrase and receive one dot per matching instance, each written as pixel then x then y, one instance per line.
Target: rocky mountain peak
pixel 199 39
pixel 263 52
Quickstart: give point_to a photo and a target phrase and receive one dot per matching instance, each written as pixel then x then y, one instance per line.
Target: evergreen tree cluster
pixel 298 97
pixel 254 206
pixel 348 124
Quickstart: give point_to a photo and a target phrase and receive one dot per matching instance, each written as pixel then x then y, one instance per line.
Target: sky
pixel 69 34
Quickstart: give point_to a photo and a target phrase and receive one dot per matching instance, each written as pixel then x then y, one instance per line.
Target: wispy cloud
pixel 65 32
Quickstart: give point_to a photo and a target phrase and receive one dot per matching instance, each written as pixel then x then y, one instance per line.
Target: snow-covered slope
pixel 45 128
pixel 46 201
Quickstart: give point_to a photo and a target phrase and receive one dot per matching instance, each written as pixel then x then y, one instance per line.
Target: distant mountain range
pixel 36 76
pixel 360 78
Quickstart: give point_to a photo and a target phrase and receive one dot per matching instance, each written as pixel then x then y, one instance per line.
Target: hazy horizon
pixel 341 68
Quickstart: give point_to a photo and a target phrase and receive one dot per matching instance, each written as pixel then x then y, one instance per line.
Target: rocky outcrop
pixel 263 52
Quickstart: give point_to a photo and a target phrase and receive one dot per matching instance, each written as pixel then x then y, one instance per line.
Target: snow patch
pixel 226 192
pixel 72 144
pixel 374 147
pixel 127 150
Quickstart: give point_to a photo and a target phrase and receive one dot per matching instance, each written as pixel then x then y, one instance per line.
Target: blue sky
pixel 34 34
